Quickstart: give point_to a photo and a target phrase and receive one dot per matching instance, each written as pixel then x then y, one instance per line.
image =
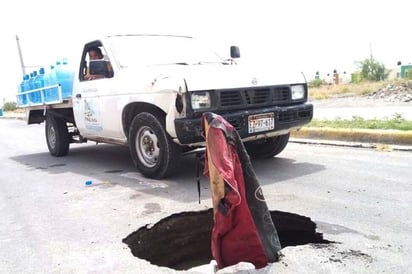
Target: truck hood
pixel 235 76
pixel 218 76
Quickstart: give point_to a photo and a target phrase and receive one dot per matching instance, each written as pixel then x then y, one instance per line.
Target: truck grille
pixel 253 96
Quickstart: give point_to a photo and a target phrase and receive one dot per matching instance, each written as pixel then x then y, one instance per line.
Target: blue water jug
pixel 50 79
pixel 40 84
pixel 34 97
pixel 20 90
pixel 65 78
pixel 22 98
pixel 26 87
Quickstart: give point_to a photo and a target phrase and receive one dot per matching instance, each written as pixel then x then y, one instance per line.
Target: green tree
pixel 372 69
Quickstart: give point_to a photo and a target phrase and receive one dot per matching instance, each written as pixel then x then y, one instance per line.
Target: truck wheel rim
pixel 147 147
pixel 52 137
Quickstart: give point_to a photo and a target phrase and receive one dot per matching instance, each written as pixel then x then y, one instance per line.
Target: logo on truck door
pixel 92 116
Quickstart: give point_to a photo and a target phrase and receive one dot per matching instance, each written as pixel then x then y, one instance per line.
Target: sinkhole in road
pixel 182 240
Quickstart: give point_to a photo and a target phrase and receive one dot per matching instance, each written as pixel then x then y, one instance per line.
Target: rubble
pixel 394 93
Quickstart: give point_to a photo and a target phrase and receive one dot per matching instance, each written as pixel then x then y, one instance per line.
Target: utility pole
pixel 23 67
pixel 370 49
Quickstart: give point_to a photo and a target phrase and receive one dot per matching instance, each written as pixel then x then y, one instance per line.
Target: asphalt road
pixel 52 222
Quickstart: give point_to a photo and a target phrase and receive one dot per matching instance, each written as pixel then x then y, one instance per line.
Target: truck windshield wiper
pixel 181 63
pixel 208 62
pixel 177 63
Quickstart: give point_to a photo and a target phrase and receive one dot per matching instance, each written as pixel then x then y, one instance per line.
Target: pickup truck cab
pixel 155 96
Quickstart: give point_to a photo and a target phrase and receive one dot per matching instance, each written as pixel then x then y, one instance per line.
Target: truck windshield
pixel 132 50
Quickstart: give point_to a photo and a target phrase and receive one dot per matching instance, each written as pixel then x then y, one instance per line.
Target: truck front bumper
pixel 189 130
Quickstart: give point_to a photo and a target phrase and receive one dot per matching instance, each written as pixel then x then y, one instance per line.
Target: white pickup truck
pixel 154 99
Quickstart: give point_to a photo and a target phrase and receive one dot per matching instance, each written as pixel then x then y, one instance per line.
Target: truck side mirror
pixel 234 52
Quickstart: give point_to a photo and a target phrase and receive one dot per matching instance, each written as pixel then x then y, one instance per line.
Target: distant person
pixel 97 70
pixel 335 77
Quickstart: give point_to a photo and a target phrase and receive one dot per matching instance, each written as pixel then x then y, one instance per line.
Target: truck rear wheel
pixel 153 152
pixel 57 136
pixel 267 148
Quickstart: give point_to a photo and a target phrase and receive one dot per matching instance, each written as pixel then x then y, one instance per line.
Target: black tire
pixel 267 148
pixel 57 136
pixel 153 152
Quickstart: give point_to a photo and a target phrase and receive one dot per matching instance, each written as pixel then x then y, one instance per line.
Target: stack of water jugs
pixel 41 87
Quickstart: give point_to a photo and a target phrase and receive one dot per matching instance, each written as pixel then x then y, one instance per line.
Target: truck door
pixel 86 109
pixel 95 96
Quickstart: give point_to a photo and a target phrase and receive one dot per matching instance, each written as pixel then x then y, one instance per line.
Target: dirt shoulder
pixel 391 95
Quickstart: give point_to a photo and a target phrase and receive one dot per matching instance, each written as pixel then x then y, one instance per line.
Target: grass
pixel 397 122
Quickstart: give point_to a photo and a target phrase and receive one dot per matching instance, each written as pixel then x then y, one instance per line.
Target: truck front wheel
pixel 267 148
pixel 153 152
pixel 57 136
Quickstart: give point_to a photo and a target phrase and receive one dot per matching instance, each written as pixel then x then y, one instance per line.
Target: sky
pixel 300 35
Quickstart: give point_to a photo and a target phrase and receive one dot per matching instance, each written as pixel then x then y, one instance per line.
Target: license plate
pixel 261 122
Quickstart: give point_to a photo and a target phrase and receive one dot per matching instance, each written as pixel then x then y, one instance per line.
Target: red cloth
pixel 234 236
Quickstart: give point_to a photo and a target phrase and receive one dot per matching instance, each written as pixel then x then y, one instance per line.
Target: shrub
pixel 9 106
pixel 372 70
pixel 316 83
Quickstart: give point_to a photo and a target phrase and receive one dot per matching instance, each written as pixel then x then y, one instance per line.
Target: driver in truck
pixel 98 67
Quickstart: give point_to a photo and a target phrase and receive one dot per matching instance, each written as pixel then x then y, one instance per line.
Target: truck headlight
pixel 200 100
pixel 298 92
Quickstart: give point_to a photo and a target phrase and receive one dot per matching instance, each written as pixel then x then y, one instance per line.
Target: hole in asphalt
pixel 182 240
